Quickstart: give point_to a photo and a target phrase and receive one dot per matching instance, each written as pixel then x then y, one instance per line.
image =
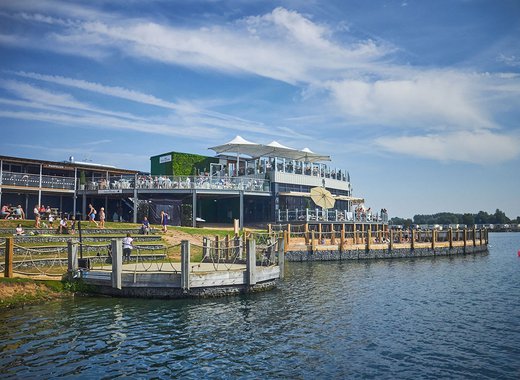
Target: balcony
pixel 33 181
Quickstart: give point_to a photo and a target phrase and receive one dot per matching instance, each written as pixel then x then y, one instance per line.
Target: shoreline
pixel 19 292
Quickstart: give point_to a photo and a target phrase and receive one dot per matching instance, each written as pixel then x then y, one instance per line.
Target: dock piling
pixel 117 263
pixel 185 265
pixel 9 251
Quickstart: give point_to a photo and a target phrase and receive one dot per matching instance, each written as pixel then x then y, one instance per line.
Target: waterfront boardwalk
pixel 340 241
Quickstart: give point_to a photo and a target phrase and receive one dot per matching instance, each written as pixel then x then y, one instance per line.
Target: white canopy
pixel 240 145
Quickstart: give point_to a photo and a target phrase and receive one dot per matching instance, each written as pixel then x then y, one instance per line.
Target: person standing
pixel 37 217
pixel 164 221
pixel 127 247
pixel 102 217
pixel 92 215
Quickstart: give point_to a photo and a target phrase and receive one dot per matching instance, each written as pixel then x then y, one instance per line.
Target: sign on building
pixel 167 158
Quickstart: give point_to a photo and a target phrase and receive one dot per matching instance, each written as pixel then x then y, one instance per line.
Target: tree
pixel 500 217
pixel 468 219
pixel 482 218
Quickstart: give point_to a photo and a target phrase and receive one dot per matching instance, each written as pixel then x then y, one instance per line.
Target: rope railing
pixel 44 266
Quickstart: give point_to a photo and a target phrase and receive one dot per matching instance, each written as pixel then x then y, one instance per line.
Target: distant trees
pixel 482 217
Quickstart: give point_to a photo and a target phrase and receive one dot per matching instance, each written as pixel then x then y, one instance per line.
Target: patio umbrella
pixel 322 197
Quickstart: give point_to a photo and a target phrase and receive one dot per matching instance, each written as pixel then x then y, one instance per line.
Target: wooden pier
pixel 216 276
pixel 338 241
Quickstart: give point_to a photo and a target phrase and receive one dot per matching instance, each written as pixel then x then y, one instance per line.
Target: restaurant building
pixel 254 183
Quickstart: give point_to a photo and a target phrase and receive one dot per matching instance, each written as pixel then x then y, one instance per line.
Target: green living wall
pixel 181 164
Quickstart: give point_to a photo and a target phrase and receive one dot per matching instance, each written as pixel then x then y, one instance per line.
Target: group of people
pixel 92 216
pixel 10 212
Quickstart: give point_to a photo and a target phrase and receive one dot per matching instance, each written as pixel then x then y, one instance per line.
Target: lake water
pixel 423 318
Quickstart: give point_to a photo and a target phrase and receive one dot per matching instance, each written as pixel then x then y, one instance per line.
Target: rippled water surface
pixel 418 318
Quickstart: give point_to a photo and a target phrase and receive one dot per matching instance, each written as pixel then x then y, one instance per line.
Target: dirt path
pixel 175 237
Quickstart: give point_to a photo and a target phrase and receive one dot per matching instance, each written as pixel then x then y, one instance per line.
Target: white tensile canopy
pixel 240 146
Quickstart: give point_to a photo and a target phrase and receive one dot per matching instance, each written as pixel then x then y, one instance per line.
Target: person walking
pixel 164 221
pixel 92 215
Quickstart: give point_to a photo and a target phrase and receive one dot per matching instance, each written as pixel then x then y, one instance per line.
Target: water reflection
pixel 438 317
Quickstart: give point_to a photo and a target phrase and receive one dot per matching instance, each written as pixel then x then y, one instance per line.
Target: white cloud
pixel 428 100
pixel 478 147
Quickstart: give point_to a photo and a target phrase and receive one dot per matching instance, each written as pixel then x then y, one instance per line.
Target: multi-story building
pixel 254 183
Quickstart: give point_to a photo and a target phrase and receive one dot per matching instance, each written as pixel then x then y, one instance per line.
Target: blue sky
pixel 418 100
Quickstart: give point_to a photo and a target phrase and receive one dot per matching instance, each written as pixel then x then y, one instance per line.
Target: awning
pixel 354 200
pixel 240 145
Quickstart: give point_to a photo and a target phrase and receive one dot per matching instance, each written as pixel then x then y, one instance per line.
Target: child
pixel 19 229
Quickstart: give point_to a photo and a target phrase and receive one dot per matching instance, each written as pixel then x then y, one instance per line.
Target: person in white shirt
pixel 127 247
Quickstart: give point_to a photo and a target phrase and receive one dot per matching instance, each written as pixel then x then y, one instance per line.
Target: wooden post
pixel 217 247
pixel 332 235
pixel 362 233
pixel 72 256
pixel 465 239
pixel 281 257
pixel 450 235
pixel 342 238
pixel 391 240
pixel 185 265
pixel 117 263
pixel 400 236
pixel 236 247
pixel 319 233
pixel 434 237
pixel 288 234
pixel 9 253
pixel 480 235
pixel 313 241
pixel 306 230
pixel 269 229
pixel 412 246
pixel 354 233
pixel 226 245
pixel 474 236
pixel 286 239
pixel 251 262
pixel 369 237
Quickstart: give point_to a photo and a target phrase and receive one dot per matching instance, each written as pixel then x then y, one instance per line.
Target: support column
pixel 9 253
pixel 369 237
pixel 83 205
pixel 74 198
pixel 251 262
pixel 391 240
pixel 40 188
pixel 474 236
pixel 194 209
pixel 288 234
pixel 136 199
pixel 241 209
pixel 185 265
pixel 434 237
pixel 450 235
pixel 117 263
pixel 413 239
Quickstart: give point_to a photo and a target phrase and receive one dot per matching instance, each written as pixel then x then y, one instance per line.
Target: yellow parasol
pixel 322 197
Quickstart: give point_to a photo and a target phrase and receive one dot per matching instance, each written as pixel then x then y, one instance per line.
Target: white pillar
pixel 117 263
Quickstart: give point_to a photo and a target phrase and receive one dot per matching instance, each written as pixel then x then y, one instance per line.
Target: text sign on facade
pixel 164 159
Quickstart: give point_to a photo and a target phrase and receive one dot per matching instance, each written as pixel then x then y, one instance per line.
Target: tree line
pixel 482 217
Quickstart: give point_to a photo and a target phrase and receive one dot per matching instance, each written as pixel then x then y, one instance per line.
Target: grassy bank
pixel 18 292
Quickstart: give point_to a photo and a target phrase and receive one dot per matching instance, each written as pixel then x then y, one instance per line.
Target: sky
pixel 418 100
